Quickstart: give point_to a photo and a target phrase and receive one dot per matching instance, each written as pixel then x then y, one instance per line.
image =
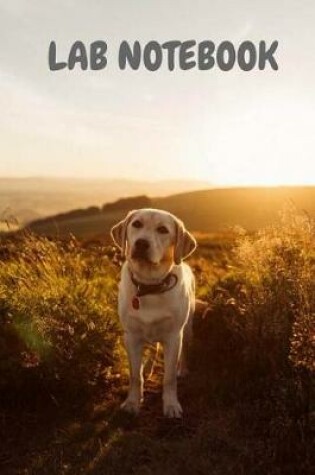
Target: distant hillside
pixel 29 198
pixel 251 208
pixel 204 211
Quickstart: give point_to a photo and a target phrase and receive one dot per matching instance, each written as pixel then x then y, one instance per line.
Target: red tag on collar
pixel 136 303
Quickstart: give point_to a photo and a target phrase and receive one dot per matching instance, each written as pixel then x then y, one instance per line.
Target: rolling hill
pixel 27 199
pixel 203 211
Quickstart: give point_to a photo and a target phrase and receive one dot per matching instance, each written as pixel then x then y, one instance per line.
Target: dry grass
pixel 249 397
pixel 57 305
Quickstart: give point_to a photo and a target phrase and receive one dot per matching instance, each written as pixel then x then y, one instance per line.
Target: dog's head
pixel 153 240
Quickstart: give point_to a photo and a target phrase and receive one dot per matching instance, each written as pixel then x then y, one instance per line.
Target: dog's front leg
pixel 182 369
pixel 172 348
pixel 134 346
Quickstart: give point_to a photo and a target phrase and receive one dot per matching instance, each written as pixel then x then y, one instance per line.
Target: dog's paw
pixel 172 410
pixel 131 406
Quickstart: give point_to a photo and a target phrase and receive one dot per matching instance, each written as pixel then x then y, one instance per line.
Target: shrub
pixel 57 311
pixel 277 290
pixel 262 318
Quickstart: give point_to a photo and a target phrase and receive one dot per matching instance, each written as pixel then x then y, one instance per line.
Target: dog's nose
pixel 142 244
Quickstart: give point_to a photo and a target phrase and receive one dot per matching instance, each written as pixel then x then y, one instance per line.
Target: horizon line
pixel 159 180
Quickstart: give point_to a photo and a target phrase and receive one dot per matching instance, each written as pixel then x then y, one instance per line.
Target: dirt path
pixel 100 439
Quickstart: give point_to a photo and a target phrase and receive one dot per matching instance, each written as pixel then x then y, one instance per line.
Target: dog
pixel 156 299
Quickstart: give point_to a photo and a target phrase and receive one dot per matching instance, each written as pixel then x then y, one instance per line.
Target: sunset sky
pixel 228 128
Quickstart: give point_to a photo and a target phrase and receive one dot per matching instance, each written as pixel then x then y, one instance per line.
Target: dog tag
pixel 136 302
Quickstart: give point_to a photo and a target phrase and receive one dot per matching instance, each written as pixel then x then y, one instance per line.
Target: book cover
pixel 157 200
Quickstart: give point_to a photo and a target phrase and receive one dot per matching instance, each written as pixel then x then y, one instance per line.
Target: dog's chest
pixel 153 320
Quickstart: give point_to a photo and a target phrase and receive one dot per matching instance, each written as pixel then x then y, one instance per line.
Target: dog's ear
pixel 119 232
pixel 185 242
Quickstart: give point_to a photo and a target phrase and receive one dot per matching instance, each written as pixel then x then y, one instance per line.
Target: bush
pixel 262 318
pixel 256 342
pixel 58 314
pixel 277 291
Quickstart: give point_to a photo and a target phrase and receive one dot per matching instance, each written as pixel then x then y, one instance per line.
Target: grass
pixel 57 303
pixel 248 400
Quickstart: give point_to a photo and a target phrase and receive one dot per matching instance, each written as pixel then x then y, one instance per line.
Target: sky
pixel 227 128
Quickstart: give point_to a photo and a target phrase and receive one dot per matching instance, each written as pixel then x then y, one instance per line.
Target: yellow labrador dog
pixel 156 297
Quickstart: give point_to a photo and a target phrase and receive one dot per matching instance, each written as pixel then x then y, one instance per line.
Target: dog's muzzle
pixel 141 249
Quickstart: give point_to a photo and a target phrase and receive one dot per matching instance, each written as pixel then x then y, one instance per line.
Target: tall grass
pixel 250 391
pixel 58 307
pixel 58 313
pixel 277 291
pixel 258 340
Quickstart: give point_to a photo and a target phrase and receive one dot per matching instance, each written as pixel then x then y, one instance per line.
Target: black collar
pixel 168 283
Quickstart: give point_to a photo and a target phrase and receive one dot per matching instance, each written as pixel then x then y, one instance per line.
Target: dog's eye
pixel 162 230
pixel 137 224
